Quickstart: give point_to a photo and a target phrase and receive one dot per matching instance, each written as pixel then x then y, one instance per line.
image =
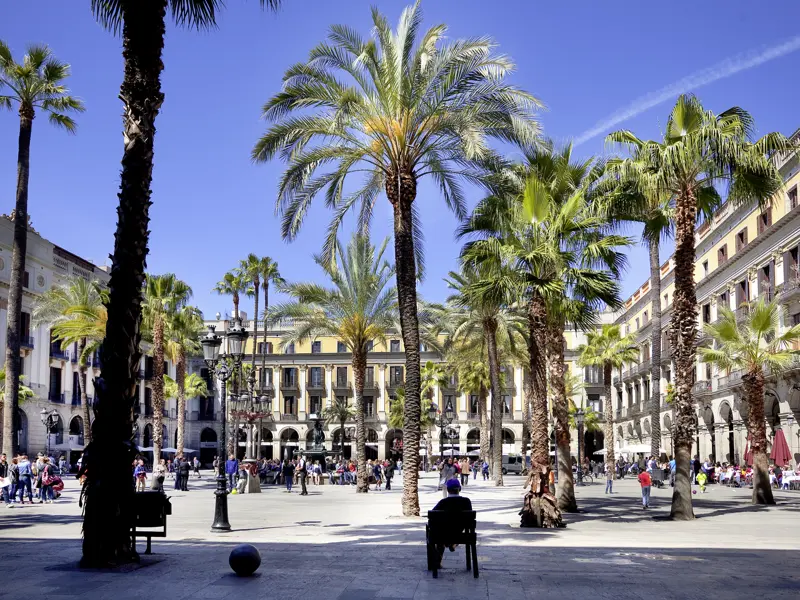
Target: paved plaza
pixel 335 545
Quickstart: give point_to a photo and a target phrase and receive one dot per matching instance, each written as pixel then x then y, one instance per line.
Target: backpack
pixel 47 476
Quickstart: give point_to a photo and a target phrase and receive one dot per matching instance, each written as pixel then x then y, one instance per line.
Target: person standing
pixel 231 468
pixel 446 473
pixel 646 482
pixel 377 472
pixel 46 474
pixel 184 470
pixel 159 474
pixel 475 468
pixel 388 472
pixel 609 480
pixel 25 475
pixel 464 471
pixel 176 467
pixel 485 470
pixel 197 467
pixel 302 473
pixel 6 480
pixel 140 475
pixel 288 474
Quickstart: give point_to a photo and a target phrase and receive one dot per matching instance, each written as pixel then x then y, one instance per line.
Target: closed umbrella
pixel 780 449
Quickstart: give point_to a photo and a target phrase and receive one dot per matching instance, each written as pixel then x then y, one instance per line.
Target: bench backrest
pixel 446 525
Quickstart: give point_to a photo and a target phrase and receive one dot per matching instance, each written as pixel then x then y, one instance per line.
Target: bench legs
pixel 467 548
pixel 474 561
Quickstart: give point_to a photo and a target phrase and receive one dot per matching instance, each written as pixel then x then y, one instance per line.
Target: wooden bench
pixel 445 529
pixel 150 511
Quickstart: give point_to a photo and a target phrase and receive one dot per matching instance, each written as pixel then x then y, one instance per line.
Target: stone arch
pixel 371 444
pixel 147 439
pixel 473 439
pixel 22 431
pixel 208 445
pixel 508 436
pixel 289 441
pixel 772 409
pixel 394 443
pixel 76 426
pixel 728 442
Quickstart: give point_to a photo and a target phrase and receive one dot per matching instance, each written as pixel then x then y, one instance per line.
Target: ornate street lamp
pixel 579 420
pixel 49 420
pixel 446 418
pixel 251 407
pixel 217 362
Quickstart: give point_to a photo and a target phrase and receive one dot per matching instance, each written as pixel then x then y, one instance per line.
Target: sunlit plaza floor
pixel 333 544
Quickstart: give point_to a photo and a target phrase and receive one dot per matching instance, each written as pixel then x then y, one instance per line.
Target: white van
pixel 512 463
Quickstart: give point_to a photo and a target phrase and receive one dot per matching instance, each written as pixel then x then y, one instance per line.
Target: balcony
pixel 288 417
pixel 644 367
pixel 26 341
pixel 316 383
pixel 57 353
pixel 341 384
pixel 741 312
pixel 73 358
pixel 289 384
pixel 148 411
pixel 369 384
pixel 57 398
pixel 395 382
pixel 701 388
pixel 76 440
pixel 473 416
pixel 790 289
pixel 730 380
pixel 616 380
pixel 96 363
pixel 618 414
pixel 666 354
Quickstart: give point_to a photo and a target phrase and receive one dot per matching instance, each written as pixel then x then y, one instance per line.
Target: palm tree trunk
pixel 526 417
pixel 483 415
pixel 609 424
pixel 108 491
pixel 359 374
pixel 180 379
pixel 401 189
pixel 655 350
pixel 13 363
pixel 87 424
pixel 556 367
pixel 266 310
pixel 682 332
pixel 540 440
pixel 341 438
pixel 255 325
pixel 753 384
pixel 429 443
pixel 158 387
pixel 496 443
pixel 236 306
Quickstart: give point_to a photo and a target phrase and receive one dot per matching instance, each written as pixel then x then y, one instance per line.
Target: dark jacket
pixel 4 469
pixel 184 468
pixel 288 470
pixel 454 504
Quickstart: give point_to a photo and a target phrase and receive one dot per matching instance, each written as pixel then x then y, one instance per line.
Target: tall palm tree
pixel 473 378
pixel 192 386
pixel 183 334
pixel 250 270
pixel 75 314
pixel 358 309
pixel 609 350
pixel 700 150
pixel 754 346
pixel 269 274
pixel 165 295
pixel 433 376
pixel 339 411
pixel 233 284
pixel 400 107
pixel 541 220
pixel 35 84
pixel 142 25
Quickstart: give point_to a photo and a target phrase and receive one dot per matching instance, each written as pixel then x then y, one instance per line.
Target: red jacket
pixel 644 479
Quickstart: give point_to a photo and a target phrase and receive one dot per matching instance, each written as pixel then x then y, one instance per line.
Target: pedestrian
pixel 231 468
pixel 184 471
pixel 702 478
pixel 302 473
pixel 139 475
pixel 485 470
pixel 47 476
pixel 447 471
pixel 63 467
pixel 25 471
pixel 388 472
pixel 609 479
pixel 5 480
pixel 159 474
pixel 464 471
pixel 672 472
pixel 475 468
pixel 13 475
pixel 377 473
pixel 197 467
pixel 288 474
pixel 646 482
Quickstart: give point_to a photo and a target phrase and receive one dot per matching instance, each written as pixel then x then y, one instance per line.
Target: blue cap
pixel 453 484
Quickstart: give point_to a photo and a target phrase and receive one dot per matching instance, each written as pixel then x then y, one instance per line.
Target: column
pixel 277 374
pixel 328 385
pixel 519 395
pixel 382 390
pixel 301 401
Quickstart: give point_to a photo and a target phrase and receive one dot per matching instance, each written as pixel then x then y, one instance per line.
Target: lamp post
pixel 446 417
pixel 211 343
pixel 49 420
pixel 579 418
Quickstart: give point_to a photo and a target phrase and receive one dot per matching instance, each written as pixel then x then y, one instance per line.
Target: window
pixel 473 405
pixel 706 313
pixel 764 220
pixel 341 377
pixel 289 349
pixel 646 352
pixel 369 377
pixel 666 300
pixel 792 198
pixel 316 347
pixel 290 377
pixel 26 279
pixel 369 406
pixel 396 376
pixel 265 377
pixel 705 268
pixel 742 292
pixel 637 322
pixel 668 375
pixel 341 347
pixel 315 405
pixel 724 301
pixel 315 377
pixel 765 281
pixel 645 318
pixel 394 346
pixel 25 326
pixel 55 384
pixel 288 405
pixel 506 403
pixel 722 255
pixel 265 347
pixel 791 268
pixel 370 345
pixel 148 402
pixel 741 239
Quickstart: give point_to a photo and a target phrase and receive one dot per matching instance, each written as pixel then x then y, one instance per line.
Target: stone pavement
pixel 334 545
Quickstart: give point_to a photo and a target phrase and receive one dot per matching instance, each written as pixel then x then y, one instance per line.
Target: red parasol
pixel 748 454
pixel 780 449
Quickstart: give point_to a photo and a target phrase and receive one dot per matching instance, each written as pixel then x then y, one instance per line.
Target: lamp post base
pixel 221 506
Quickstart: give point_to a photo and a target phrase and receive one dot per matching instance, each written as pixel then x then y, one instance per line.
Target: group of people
pixel 179 469
pixel 20 476
pixel 460 468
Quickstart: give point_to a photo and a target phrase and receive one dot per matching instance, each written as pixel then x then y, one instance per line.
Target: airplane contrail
pixel 726 68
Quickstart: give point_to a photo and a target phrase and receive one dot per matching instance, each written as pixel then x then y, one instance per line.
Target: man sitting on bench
pixel 453 503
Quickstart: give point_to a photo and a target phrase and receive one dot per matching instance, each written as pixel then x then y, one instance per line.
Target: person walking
pixel 159 474
pixel 25 476
pixel 184 469
pixel 377 472
pixel 231 468
pixel 388 472
pixel 609 480
pixel 288 474
pixel 464 471
pixel 485 470
pixel 446 473
pixel 196 463
pixel 5 480
pixel 302 474
pixel 139 475
pixel 47 474
pixel 646 482
pixel 13 475
pixel 475 468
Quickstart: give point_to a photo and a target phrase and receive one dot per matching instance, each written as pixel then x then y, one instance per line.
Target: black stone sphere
pixel 245 560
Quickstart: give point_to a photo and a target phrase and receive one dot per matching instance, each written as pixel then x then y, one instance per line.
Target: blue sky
pixel 584 60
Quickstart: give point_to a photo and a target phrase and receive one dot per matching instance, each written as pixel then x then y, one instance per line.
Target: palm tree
pixel 37 83
pixel 182 338
pixel 233 283
pixel 250 270
pixel 25 393
pixel 192 386
pixel 609 350
pixel 396 417
pixel 473 378
pixel 573 386
pixel 541 220
pixel 165 295
pixel 75 314
pixel 142 25
pixel 700 150
pixel 339 411
pixel 359 309
pixel 754 346
pixel 433 375
pixel 269 274
pixel 398 108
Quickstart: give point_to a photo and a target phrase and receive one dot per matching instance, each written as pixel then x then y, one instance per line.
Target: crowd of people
pixel 37 480
pixel 178 469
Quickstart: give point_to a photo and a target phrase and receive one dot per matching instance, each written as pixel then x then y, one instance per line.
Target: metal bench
pixel 150 512
pixel 447 528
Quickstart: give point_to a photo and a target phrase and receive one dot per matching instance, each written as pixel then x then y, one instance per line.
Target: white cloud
pixel 726 68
